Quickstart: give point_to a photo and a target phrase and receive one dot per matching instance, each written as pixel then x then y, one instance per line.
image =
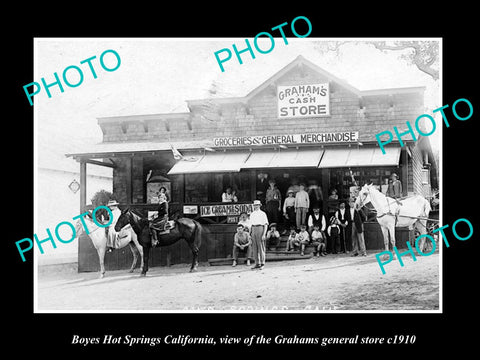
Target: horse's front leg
pixel 146 254
pixel 391 230
pixel 135 256
pixel 385 240
pixel 101 257
pixel 140 251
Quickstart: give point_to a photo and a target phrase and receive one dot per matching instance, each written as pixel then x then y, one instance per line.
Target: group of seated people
pixel 342 233
pixel 298 238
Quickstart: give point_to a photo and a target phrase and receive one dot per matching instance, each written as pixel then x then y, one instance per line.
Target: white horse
pixel 99 239
pixel 408 212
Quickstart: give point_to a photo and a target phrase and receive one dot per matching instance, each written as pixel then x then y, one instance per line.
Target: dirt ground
pixel 331 283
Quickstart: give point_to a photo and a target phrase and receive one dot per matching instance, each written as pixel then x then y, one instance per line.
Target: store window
pixel 196 188
pixel 210 187
pixel 343 179
pixel 241 185
pixel 238 182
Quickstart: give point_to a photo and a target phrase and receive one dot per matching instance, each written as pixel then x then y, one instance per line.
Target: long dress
pixel 112 234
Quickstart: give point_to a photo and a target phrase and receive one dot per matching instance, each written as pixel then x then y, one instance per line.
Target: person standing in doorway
pixel 258 232
pixel 289 209
pixel 315 194
pixel 293 186
pixel 302 203
pixel 262 186
pixel 273 202
pixel 342 217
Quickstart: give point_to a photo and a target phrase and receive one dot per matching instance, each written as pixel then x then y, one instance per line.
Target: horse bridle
pixel 362 201
pixel 96 226
pixel 131 220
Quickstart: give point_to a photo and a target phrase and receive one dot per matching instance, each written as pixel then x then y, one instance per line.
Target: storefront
pixel 302 125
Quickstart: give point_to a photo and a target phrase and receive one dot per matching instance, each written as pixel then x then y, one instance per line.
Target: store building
pixel 303 124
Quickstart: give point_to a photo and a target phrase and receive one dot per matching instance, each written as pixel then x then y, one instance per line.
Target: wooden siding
pixel 369 114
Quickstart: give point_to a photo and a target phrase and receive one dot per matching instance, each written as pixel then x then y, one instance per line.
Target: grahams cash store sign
pixel 297 101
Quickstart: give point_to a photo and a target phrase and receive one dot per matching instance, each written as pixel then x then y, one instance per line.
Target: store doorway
pixel 286 179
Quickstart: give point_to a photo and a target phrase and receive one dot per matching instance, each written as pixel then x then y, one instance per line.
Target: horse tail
pixel 201 233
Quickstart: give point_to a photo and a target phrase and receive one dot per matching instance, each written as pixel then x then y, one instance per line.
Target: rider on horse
pixel 161 221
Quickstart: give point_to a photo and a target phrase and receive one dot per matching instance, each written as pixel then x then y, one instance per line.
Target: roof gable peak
pixel 301 61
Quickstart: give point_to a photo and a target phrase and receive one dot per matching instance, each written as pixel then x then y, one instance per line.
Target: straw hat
pixel 112 203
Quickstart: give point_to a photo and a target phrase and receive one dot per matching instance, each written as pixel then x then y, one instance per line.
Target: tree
pixel 101 197
pixel 422 54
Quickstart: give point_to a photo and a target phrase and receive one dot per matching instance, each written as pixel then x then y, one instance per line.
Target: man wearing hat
pixel 258 232
pixel 273 236
pixel 273 200
pixel 112 235
pixel 357 218
pixel 395 187
pixel 317 218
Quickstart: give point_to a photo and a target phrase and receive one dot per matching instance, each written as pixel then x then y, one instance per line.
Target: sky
pixel 159 75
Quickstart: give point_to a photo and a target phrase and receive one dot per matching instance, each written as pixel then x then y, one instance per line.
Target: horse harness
pixel 396 214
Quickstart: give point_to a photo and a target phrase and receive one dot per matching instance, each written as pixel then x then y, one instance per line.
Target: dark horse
pixel 185 228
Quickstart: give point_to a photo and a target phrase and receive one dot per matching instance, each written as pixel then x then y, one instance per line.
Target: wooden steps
pixel 276 253
pixel 270 256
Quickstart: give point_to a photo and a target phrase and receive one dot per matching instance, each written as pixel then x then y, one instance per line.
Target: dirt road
pixel 332 283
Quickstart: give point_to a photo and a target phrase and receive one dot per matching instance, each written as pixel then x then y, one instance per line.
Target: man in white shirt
pixel 302 203
pixel 316 219
pixel 229 196
pixel 258 232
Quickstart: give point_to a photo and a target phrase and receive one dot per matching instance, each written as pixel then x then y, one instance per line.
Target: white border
pixel 35 196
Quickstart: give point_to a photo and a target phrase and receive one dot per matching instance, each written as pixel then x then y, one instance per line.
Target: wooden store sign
pixel 225 209
pixel 311 138
pixel 298 101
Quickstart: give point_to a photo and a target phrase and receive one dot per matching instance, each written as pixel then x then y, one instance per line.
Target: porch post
pixel 403 176
pixel 83 185
pixel 129 173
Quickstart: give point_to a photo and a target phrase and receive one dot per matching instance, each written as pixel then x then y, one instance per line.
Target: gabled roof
pixel 301 61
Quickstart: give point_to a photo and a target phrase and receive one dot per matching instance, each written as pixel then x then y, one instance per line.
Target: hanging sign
pixel 225 210
pixel 288 139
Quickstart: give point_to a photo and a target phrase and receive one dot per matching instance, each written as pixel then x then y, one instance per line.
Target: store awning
pixel 211 162
pixel 290 158
pixel 360 157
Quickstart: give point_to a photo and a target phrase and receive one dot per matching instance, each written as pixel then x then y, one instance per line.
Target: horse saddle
pixel 162 226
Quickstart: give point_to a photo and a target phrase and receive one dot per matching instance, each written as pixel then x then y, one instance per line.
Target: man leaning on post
pixel 358 241
pixel 394 189
pixel 258 232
